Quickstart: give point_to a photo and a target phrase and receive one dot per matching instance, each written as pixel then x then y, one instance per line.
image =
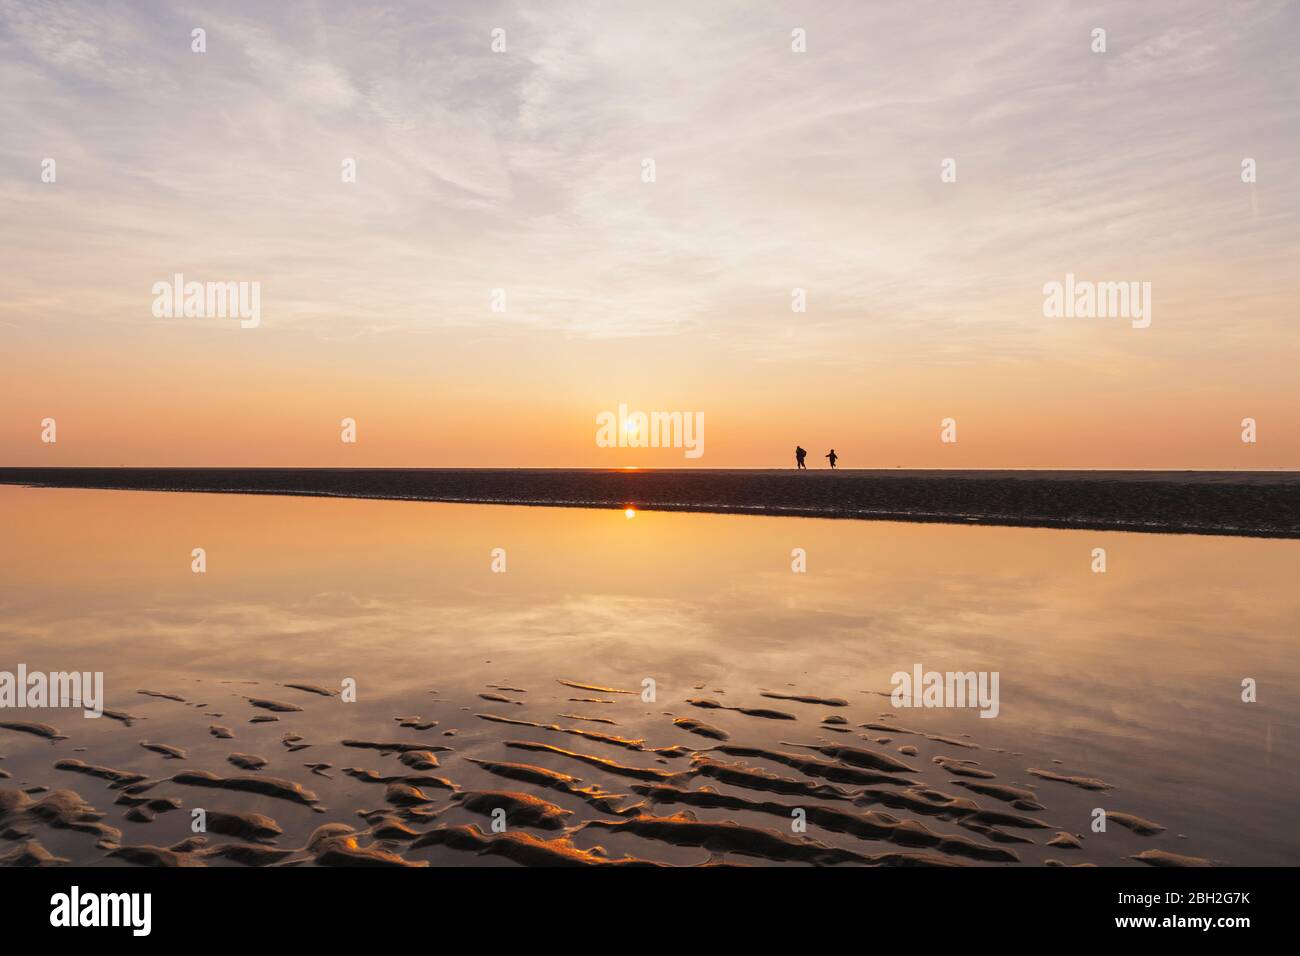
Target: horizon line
pixel 636 468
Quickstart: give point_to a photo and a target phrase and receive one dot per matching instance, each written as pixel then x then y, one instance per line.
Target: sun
pixel 630 513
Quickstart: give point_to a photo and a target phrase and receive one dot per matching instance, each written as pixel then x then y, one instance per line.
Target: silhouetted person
pixel 799 455
pixel 833 457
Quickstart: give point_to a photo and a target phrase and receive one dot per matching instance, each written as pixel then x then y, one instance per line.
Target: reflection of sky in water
pixel 1132 676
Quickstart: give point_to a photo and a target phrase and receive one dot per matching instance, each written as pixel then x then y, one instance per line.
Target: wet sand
pixel 535 787
pixel 516 698
pixel 1264 504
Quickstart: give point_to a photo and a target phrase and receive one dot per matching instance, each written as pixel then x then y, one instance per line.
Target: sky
pixel 523 170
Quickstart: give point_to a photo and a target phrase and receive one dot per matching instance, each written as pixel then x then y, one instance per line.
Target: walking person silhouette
pixel 833 457
pixel 799 454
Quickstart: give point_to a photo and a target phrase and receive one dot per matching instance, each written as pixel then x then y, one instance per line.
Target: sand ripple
pixel 862 805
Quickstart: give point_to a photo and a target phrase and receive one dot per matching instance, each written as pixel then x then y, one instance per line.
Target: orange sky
pixel 230 404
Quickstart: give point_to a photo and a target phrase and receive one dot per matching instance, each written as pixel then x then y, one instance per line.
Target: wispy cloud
pixel 521 170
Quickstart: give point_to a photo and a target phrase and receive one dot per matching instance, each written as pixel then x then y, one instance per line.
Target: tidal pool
pixel 1132 677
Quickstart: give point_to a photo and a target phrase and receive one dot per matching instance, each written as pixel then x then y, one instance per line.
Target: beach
pixel 752 439
pixel 1263 504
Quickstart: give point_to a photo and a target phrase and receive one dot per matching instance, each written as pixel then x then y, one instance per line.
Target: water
pixel 1133 676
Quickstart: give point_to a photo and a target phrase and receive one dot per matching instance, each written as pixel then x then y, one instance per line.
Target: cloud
pixel 521 170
